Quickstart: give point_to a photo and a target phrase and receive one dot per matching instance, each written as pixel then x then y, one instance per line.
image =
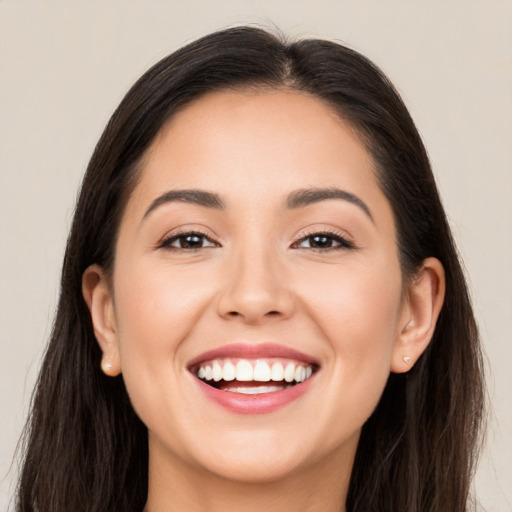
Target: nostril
pixel 269 313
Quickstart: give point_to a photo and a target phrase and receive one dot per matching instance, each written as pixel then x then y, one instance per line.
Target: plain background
pixel 65 65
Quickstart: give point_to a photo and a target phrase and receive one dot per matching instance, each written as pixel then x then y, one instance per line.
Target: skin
pixel 257 279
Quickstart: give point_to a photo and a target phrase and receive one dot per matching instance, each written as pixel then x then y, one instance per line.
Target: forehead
pixel 257 144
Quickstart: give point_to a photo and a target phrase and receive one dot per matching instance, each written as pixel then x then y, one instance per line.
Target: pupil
pixel 191 241
pixel 321 241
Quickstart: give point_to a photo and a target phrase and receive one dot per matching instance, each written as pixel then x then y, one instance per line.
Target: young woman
pixel 262 306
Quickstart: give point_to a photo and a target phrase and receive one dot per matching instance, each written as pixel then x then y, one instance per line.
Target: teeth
pixel 278 372
pixel 229 372
pixel 289 372
pixel 217 372
pixel 244 371
pixel 300 374
pixel 262 371
pixel 255 390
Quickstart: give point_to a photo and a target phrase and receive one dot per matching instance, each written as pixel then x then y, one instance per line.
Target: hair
pixel 84 447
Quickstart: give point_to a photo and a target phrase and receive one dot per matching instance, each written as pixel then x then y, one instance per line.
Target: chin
pixel 259 470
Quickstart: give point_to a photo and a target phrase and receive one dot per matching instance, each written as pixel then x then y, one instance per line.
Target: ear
pixel 99 299
pixel 421 309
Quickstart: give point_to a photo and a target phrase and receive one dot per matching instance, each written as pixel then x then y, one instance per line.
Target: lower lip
pixel 263 403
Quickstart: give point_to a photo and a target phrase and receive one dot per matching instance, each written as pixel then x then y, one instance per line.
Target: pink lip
pixel 253 351
pixel 254 404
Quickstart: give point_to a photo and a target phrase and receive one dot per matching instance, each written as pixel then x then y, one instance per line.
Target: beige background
pixel 65 65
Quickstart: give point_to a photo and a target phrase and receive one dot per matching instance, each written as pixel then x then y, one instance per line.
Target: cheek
pixel 357 310
pixel 357 306
pixel 156 307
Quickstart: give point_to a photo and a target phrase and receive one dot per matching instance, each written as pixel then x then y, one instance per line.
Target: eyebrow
pixel 297 199
pixel 192 196
pixel 307 196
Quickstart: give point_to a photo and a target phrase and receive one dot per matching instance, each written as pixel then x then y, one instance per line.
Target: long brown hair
pixel 84 447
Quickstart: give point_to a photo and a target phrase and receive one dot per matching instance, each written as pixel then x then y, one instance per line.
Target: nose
pixel 256 289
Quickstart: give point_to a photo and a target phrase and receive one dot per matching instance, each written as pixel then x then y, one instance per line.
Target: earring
pixel 406 359
pixel 106 368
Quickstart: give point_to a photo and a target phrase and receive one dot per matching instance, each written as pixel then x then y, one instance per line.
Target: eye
pixel 323 242
pixel 188 241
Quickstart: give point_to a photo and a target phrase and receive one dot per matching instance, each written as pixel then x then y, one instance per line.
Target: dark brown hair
pixel 86 450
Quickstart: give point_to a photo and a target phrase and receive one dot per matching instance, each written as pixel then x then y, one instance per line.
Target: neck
pixel 321 487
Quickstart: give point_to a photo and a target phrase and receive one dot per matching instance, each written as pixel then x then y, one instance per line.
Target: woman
pixel 261 304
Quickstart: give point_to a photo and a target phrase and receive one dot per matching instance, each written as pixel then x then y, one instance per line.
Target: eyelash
pixel 166 243
pixel 344 243
pixel 328 236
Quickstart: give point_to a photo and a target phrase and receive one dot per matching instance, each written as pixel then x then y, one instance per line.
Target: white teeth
pixel 217 372
pixel 255 390
pixel 262 372
pixel 229 371
pixel 244 371
pixel 289 372
pixel 278 372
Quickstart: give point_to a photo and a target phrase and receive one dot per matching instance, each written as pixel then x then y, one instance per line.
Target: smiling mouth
pixel 253 376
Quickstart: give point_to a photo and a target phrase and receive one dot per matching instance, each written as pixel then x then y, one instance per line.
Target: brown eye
pixel 323 241
pixel 320 241
pixel 188 241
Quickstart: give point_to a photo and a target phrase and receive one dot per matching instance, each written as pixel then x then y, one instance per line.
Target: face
pixel 257 293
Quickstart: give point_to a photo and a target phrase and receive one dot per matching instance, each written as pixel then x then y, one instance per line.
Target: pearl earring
pixel 406 359
pixel 107 367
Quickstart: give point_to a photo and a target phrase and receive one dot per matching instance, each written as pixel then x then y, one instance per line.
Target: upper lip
pixel 253 351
